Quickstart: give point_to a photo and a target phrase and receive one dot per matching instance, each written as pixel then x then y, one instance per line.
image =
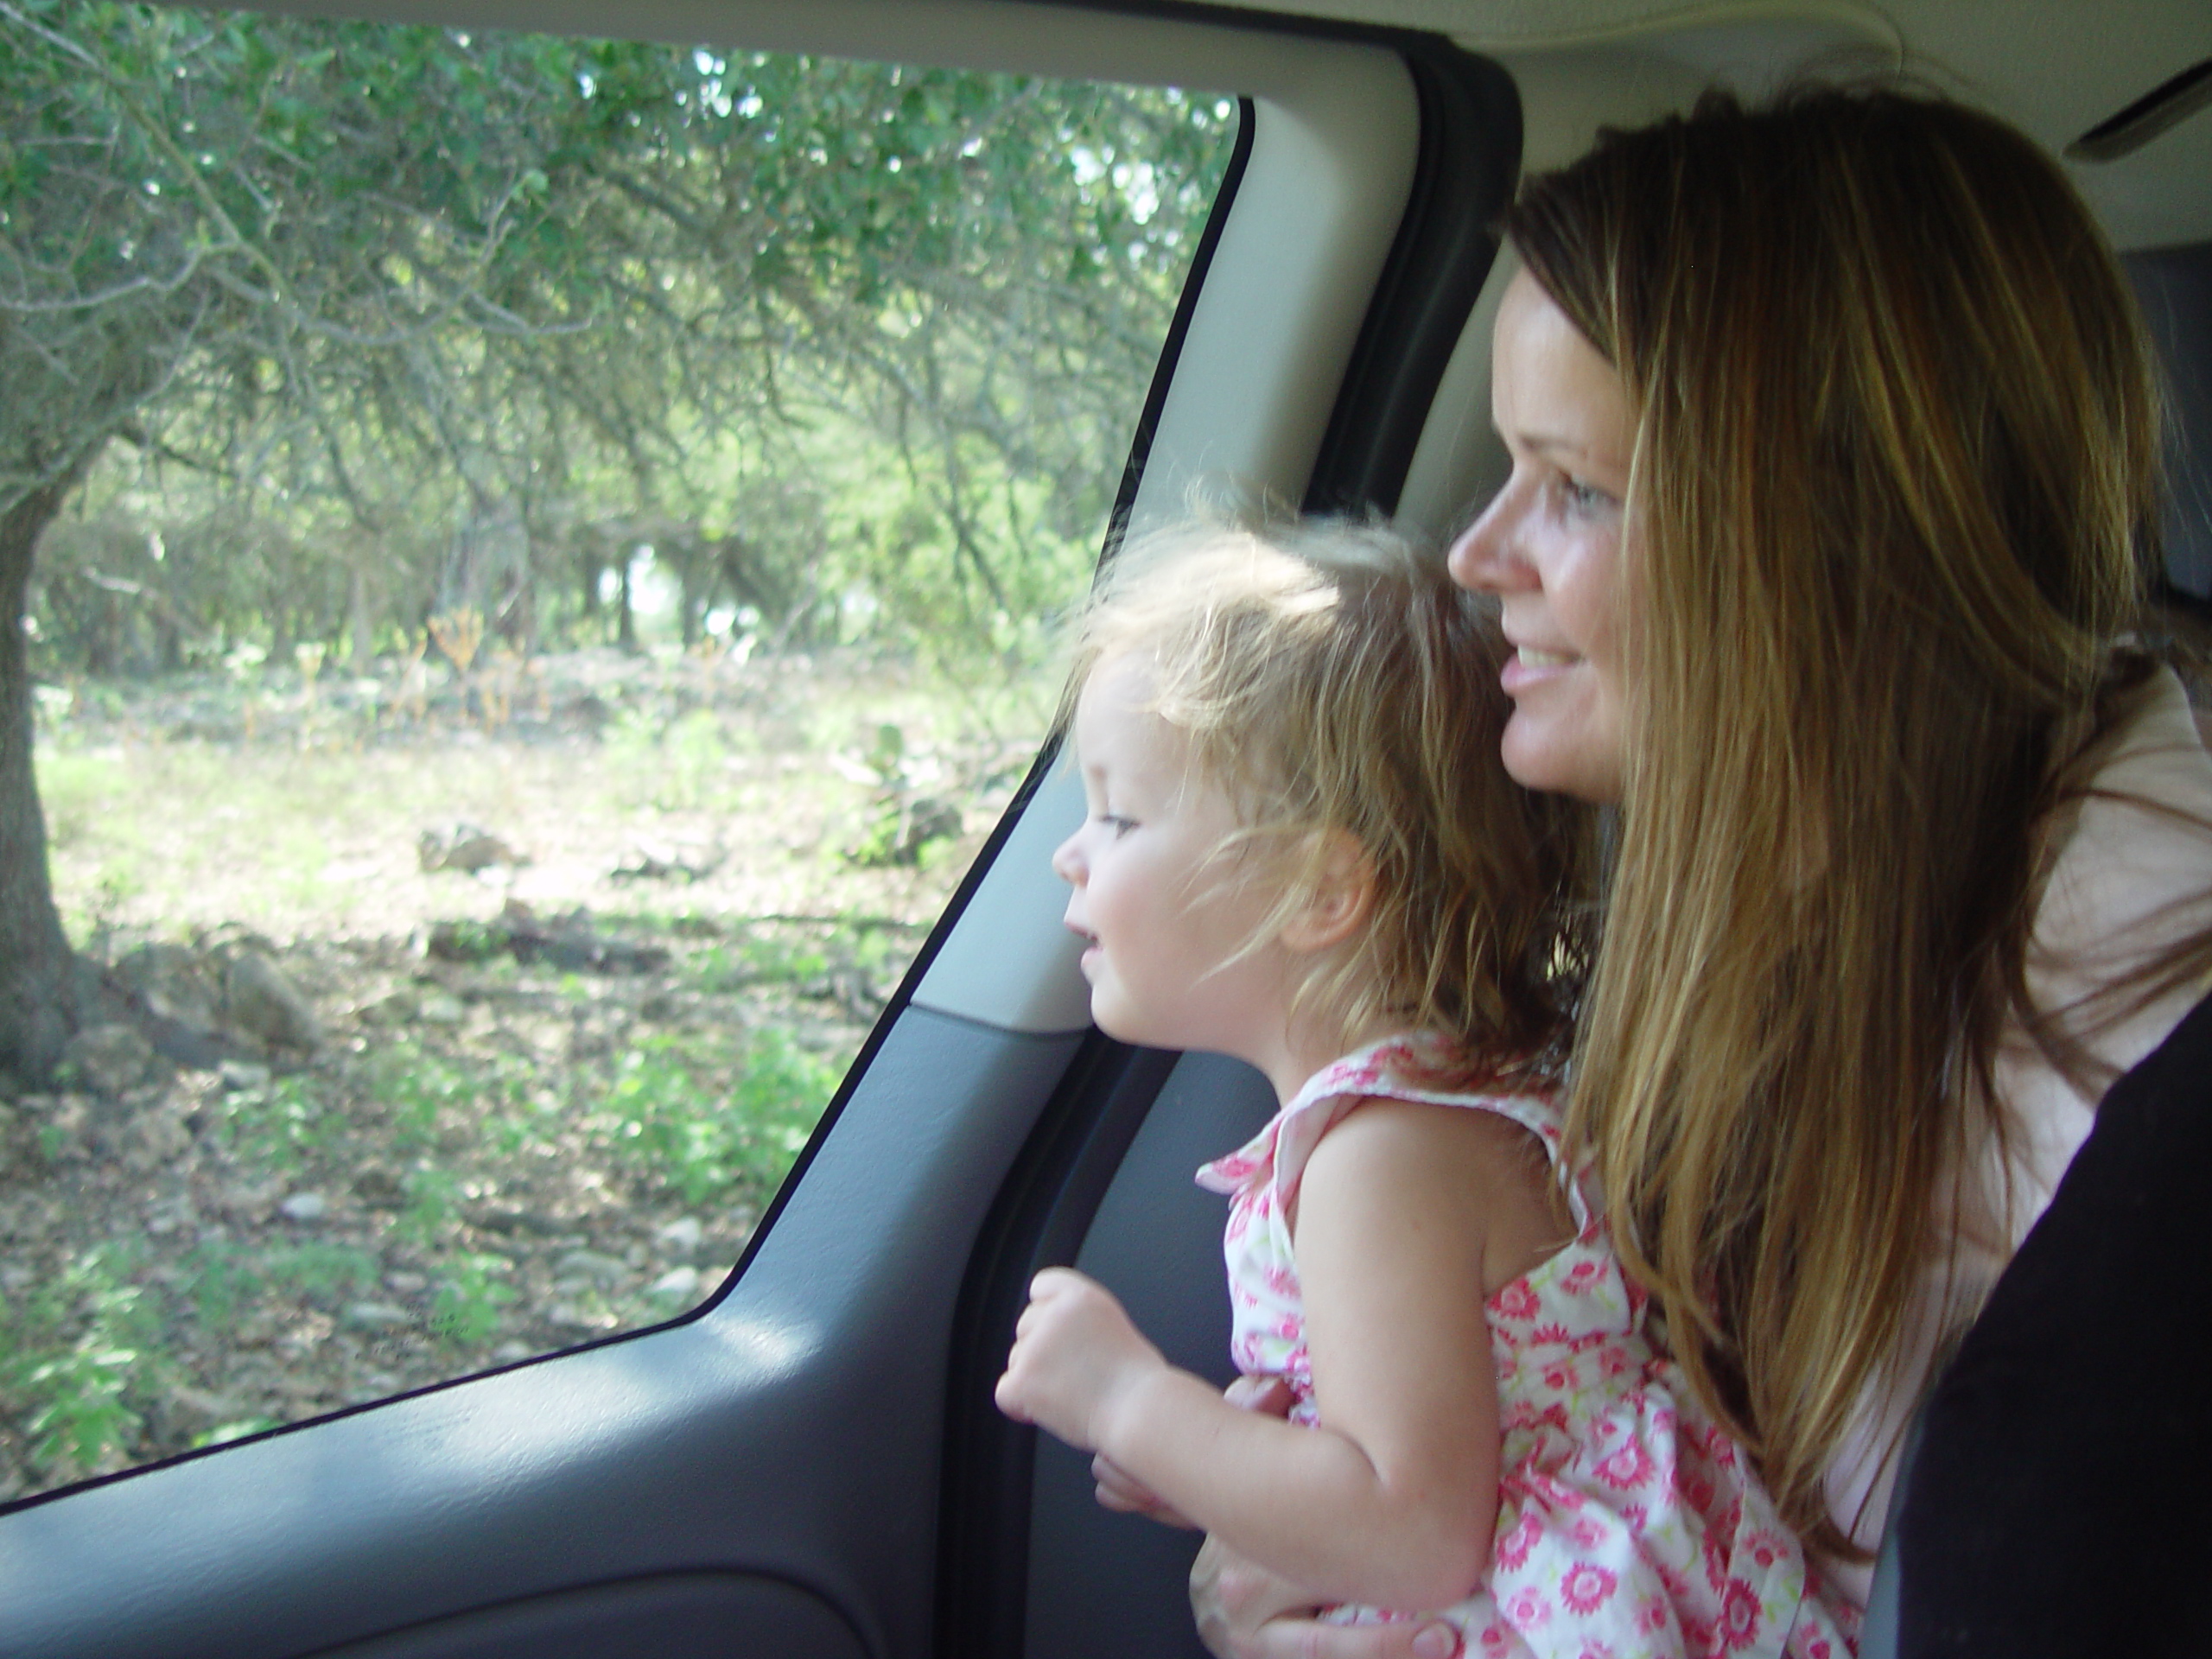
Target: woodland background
pixel 536 563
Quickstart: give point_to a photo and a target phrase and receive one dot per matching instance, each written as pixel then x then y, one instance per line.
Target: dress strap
pixel 1417 1067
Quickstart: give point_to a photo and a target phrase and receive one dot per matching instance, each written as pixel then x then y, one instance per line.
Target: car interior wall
pixel 2174 286
pixel 2054 68
pixel 1098 1583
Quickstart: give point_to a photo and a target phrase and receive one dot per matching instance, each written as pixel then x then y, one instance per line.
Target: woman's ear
pixel 1340 899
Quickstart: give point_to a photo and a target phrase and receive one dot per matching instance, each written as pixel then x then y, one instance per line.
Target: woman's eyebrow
pixel 1549 443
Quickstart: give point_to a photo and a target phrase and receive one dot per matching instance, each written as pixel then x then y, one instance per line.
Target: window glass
pixel 535 562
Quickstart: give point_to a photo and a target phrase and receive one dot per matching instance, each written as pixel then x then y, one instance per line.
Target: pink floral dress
pixel 1628 1524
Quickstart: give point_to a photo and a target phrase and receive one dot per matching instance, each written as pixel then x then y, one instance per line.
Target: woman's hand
pixel 1245 1612
pixel 1076 1357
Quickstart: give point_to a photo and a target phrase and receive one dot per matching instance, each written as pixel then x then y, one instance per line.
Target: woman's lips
pixel 1529 666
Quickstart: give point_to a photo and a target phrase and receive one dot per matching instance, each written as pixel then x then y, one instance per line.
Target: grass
pixel 495 1148
pixel 679 764
pixel 774 772
pixel 76 1355
pixel 466 1310
pixel 275 1127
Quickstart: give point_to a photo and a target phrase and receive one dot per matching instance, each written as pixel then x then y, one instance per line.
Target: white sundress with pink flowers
pixel 1629 1525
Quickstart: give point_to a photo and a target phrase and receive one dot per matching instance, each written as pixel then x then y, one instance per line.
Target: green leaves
pixel 70 1352
pixel 702 1137
pixel 374 281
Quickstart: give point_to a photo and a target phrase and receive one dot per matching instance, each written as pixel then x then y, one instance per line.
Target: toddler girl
pixel 1301 851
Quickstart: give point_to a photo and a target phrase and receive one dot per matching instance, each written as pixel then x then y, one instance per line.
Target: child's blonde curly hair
pixel 1328 676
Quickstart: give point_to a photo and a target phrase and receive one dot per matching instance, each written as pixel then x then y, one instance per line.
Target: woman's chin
pixel 1539 755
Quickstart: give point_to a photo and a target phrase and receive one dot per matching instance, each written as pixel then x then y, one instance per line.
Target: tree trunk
pixel 589 565
pixel 360 625
pixel 521 628
pixel 38 972
pixel 691 606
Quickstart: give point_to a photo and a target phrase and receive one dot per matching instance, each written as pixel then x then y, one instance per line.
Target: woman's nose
pixel 1487 557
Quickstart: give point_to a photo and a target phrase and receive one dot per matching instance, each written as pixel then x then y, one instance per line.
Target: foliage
pixel 700 1141
pixel 273 1126
pixel 325 339
pixel 70 1356
pixel 466 1307
pixel 678 765
pixel 400 323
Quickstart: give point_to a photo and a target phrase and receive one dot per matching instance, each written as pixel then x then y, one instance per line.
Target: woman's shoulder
pixel 2130 883
pixel 2140 833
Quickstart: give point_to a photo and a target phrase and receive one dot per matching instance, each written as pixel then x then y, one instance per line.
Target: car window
pixel 537 565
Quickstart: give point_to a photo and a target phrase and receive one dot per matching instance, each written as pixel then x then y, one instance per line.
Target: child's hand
pixel 1120 1489
pixel 1076 1356
pixel 1268 1397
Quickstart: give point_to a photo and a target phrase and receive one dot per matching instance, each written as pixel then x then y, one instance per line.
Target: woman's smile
pixel 1527 666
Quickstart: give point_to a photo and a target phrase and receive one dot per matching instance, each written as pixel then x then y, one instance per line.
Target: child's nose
pixel 1067 861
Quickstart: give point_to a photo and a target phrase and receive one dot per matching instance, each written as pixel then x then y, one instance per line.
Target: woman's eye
pixel 1585 500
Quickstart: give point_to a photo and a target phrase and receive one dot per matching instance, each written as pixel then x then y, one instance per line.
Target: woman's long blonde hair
pixel 1329 676
pixel 1893 499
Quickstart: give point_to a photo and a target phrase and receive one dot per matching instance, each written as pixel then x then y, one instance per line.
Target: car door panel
pixel 669 1616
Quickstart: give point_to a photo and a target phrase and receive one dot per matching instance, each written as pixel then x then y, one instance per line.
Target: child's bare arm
pixel 1393 1499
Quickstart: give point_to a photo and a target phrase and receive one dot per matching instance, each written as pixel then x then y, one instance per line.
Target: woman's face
pixel 1549 546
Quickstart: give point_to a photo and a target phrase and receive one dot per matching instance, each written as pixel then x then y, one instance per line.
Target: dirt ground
pixel 297 808
pixel 506 1107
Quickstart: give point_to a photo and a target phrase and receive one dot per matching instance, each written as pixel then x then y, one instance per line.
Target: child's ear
pixel 1340 900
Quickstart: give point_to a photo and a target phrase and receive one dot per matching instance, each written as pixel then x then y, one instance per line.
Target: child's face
pixel 1166 913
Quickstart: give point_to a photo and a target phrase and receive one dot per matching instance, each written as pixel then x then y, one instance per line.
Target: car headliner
pixel 2056 67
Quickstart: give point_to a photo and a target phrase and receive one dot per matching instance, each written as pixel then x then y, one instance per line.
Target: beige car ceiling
pixel 2054 68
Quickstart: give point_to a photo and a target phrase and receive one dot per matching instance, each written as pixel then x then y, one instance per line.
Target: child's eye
pixel 1119 825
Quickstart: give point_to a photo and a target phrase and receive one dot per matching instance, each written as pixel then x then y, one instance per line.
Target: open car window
pixel 539 561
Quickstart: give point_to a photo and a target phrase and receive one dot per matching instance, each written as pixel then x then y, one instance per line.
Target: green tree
pixel 206 221
pixel 318 262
